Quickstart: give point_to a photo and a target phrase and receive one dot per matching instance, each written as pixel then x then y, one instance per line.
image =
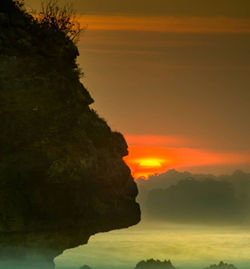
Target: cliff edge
pixel 62 174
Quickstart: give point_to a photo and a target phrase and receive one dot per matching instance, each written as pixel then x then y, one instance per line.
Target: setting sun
pixel 150 162
pixel 149 155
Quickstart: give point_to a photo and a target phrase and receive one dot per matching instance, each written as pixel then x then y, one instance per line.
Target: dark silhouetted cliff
pixel 62 176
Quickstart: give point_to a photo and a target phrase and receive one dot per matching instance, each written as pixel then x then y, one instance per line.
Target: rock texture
pixel 62 176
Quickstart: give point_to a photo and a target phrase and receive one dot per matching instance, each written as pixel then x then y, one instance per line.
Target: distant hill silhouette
pixel 172 176
pixel 196 198
pixel 165 180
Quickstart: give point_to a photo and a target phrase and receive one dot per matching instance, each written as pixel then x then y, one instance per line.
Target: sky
pixel 173 77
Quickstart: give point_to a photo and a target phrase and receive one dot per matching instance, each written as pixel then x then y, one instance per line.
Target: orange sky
pixel 150 155
pixel 178 69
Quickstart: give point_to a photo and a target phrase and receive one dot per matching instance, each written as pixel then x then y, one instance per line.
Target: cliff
pixel 62 174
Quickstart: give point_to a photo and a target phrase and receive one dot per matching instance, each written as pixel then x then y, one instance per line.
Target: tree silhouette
pixel 61 19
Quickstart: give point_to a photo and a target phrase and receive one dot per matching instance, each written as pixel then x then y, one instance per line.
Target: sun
pixel 145 161
pixel 150 162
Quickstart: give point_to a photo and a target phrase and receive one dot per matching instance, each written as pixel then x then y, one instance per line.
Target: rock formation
pixel 62 176
pixel 221 265
pixel 154 264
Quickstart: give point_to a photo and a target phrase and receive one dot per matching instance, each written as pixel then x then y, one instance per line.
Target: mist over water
pixel 188 246
pixel 35 262
pixel 202 220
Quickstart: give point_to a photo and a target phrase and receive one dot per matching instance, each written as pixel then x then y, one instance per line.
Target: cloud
pixel 154 140
pixel 166 24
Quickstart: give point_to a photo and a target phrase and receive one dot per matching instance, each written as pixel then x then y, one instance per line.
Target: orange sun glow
pixel 157 155
pixel 150 162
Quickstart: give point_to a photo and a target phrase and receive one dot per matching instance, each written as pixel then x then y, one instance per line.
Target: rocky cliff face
pixel 62 176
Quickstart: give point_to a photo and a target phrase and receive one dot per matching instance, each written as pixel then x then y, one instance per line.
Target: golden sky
pixel 176 72
pixel 192 8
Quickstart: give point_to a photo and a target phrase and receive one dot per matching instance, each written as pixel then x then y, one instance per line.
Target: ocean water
pixel 187 246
